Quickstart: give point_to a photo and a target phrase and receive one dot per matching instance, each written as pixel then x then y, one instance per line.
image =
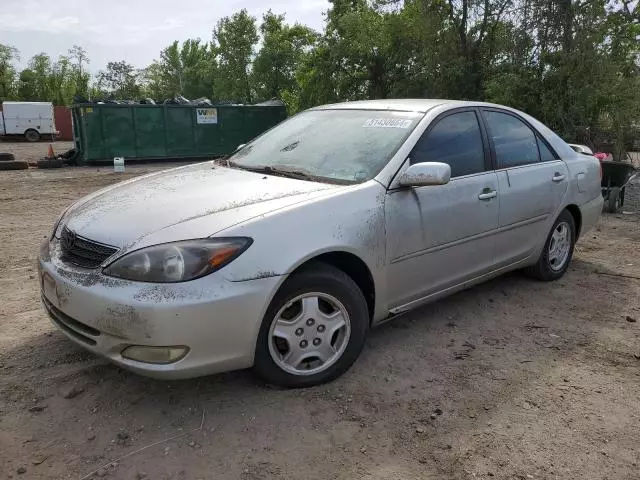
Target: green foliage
pixel 119 81
pixel 47 80
pixel 234 41
pixel 284 48
pixel 574 64
pixel 81 78
pixel 185 70
pixel 7 72
pixel 27 85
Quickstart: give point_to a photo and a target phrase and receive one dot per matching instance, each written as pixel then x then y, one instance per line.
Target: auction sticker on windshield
pixel 387 123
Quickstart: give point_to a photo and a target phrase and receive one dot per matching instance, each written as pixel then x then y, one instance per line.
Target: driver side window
pixel 456 140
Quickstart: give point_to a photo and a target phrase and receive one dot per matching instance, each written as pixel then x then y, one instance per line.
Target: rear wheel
pixel 32 135
pixel 614 201
pixel 558 250
pixel 313 330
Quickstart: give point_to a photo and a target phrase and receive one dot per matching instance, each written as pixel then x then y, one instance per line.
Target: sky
pixel 131 30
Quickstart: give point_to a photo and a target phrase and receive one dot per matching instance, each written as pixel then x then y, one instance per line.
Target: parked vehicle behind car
pixel 614 177
pixel 336 220
pixel 28 120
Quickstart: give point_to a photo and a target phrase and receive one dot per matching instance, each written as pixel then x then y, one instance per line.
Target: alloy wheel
pixel 309 334
pixel 559 246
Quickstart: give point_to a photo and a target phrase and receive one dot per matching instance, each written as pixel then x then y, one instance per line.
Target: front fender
pixel 350 220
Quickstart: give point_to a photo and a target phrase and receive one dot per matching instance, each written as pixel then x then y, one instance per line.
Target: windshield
pixel 348 146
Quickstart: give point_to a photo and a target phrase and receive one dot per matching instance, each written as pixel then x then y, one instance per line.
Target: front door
pixel 440 236
pixel 532 182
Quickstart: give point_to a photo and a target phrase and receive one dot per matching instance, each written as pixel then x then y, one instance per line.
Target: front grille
pixel 70 326
pixel 82 251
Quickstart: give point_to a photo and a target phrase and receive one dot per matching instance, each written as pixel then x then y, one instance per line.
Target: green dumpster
pixel 104 131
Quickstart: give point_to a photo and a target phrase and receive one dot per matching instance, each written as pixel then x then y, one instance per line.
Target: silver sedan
pixel 282 257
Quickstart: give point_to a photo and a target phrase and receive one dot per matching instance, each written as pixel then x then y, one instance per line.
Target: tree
pixel 27 89
pixel 152 82
pixel 283 50
pixel 62 81
pixel 234 40
pixel 47 81
pixel 120 80
pixel 381 51
pixel 7 71
pixel 40 65
pixel 570 65
pixel 574 64
pixel 184 70
pixel 80 58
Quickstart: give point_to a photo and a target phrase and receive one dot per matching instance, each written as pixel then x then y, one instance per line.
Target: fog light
pixel 160 355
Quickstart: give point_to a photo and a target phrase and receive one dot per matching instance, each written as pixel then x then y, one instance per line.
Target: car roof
pixel 423 105
pixel 409 104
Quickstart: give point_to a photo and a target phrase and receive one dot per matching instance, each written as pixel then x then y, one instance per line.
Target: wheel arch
pixel 351 264
pixel 575 212
pixel 348 263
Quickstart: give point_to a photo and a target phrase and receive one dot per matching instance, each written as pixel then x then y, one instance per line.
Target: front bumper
pixel 216 319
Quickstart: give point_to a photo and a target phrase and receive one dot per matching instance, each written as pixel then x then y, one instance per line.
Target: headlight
pixel 178 262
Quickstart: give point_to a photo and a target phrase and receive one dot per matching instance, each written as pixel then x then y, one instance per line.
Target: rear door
pixel 532 183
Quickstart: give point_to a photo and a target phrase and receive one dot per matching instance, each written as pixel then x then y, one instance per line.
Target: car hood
pixel 183 203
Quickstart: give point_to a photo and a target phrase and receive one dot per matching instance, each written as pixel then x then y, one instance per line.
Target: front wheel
pixel 558 250
pixel 313 330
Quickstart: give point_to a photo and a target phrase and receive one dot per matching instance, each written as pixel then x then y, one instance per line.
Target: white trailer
pixel 30 120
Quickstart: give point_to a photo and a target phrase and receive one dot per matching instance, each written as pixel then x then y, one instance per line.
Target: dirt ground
pixel 513 379
pixel 33 151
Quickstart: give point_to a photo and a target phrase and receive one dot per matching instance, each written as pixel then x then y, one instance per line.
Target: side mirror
pixel 240 147
pixel 425 173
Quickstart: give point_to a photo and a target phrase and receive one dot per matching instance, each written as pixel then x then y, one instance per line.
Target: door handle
pixel 558 177
pixel 487 194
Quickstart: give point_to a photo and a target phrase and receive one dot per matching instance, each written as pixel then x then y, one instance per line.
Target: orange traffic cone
pixel 50 153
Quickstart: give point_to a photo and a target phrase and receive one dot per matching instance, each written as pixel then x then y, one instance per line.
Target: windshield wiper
pixel 278 171
pixel 289 172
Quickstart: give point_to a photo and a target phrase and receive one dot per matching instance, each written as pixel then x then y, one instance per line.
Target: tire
pixel 544 269
pixel 614 200
pixel 32 135
pixel 7 157
pixel 50 163
pixel 14 165
pixel 336 290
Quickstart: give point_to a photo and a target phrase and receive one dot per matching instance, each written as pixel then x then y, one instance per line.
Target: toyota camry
pixel 284 255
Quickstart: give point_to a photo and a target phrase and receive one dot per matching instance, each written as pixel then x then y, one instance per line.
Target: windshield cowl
pixel 288 172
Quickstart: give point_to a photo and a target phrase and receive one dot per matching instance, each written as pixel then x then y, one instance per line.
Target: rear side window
pixel 514 142
pixel 546 155
pixel 455 140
